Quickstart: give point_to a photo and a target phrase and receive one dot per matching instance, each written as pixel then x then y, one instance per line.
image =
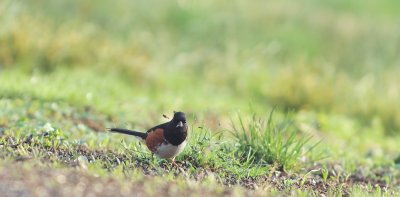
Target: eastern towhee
pixel 166 140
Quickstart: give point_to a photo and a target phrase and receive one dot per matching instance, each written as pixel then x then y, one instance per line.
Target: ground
pixel 282 98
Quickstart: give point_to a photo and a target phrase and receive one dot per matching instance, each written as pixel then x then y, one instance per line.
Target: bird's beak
pixel 180 124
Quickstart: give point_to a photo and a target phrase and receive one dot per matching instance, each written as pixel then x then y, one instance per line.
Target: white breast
pixel 169 150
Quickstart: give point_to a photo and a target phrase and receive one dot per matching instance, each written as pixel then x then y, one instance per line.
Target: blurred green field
pixel 332 65
pixel 331 56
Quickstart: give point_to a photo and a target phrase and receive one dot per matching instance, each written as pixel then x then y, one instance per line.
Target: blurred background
pixel 334 63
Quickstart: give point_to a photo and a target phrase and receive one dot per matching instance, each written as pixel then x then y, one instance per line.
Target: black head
pixel 176 131
pixel 179 118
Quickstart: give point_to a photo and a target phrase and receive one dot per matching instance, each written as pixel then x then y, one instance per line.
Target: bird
pixel 166 140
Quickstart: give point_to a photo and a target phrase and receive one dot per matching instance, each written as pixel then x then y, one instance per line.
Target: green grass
pixel 268 142
pixel 69 69
pixel 57 135
pixel 316 57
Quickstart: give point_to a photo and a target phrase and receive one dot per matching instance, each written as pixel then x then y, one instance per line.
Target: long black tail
pixel 129 132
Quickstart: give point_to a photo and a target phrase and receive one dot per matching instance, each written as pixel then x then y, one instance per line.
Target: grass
pixel 327 47
pixel 211 158
pixel 270 142
pixel 69 69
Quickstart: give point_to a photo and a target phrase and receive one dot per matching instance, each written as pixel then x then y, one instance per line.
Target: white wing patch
pixel 167 150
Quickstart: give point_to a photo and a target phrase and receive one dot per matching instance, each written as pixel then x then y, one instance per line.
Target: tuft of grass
pixel 271 142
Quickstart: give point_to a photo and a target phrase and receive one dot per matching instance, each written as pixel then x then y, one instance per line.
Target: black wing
pixel 161 126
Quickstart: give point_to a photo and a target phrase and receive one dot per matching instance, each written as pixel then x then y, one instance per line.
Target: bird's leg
pixel 177 166
pixel 153 160
pixel 173 162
